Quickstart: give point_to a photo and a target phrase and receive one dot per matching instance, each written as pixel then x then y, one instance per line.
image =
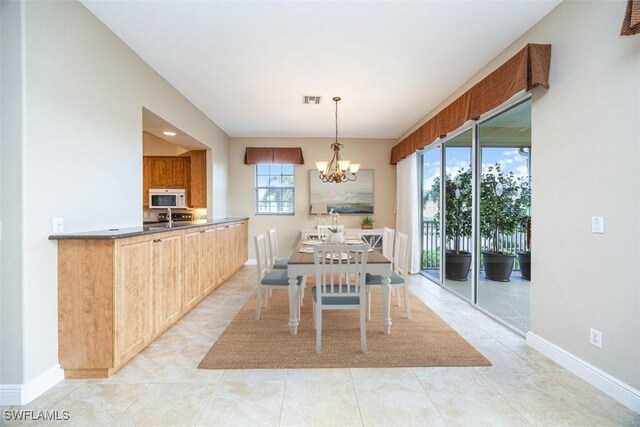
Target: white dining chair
pixel 340 285
pixel 388 237
pixel 272 252
pixel 397 275
pixel 269 280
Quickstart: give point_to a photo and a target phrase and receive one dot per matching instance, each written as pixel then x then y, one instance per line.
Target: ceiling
pixel 248 64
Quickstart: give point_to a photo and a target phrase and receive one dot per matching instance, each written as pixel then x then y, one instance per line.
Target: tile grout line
pixel 430 399
pixel 355 392
pixel 284 393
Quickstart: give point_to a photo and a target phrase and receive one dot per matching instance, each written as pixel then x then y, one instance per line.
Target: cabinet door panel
pixel 134 304
pixel 198 193
pixel 168 281
pixel 180 172
pixel 191 263
pixel 161 174
pixel 208 261
pixel 219 254
pixel 146 180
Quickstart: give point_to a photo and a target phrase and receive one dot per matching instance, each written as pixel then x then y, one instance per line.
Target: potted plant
pixel 457 222
pixel 335 237
pixel 524 225
pixel 366 223
pixel 524 257
pixel 503 206
pixel 334 217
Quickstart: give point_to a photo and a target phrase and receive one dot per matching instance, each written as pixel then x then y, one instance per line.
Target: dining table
pixel 301 263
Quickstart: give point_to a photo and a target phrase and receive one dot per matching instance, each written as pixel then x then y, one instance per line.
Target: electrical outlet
pixel 597 224
pixel 595 337
pixel 58 225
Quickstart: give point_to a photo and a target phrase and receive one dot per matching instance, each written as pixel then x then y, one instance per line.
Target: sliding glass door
pixel 476 216
pixel 457 218
pixel 430 189
pixel 504 215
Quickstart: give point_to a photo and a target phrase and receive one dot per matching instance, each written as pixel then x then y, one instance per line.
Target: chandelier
pixel 336 169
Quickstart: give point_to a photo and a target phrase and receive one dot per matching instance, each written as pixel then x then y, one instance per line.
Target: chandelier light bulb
pixel 322 166
pixel 354 167
pixel 344 164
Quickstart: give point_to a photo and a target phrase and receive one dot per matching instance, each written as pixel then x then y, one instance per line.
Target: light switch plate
pixel 58 225
pixel 597 224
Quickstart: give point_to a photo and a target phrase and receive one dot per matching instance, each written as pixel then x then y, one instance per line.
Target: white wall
pixel 11 194
pixel 371 153
pixel 585 156
pixel 82 154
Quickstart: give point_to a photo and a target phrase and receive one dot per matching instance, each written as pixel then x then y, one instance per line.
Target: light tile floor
pixel 162 385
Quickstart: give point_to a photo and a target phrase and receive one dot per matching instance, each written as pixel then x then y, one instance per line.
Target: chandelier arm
pixel 338 175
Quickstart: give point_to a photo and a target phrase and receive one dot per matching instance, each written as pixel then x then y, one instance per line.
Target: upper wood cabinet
pixel 198 193
pixel 189 172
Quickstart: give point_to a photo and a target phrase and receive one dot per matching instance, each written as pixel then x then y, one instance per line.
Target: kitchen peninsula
pixel 120 289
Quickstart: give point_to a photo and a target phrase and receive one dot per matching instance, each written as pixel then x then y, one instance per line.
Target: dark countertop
pixel 120 233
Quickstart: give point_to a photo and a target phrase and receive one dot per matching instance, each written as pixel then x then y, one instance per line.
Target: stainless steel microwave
pixel 167 198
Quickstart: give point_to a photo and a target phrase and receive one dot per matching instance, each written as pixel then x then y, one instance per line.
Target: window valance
pixel 285 155
pixel 527 69
pixel 631 22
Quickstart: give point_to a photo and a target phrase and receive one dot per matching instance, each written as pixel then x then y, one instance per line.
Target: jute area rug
pixel 425 340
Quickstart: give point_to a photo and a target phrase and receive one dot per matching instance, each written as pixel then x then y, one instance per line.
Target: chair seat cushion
pixel 348 300
pixel 280 264
pixel 396 279
pixel 278 278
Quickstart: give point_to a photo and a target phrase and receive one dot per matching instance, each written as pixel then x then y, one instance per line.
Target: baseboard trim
pixel 620 391
pixel 21 394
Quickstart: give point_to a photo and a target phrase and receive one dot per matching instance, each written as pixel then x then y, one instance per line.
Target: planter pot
pixel 457 265
pixel 366 226
pixel 498 266
pixel 524 258
pixel 335 238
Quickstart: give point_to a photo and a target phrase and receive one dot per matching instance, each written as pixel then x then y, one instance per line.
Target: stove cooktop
pixel 176 216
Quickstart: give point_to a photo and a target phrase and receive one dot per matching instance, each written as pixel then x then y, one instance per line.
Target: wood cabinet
pixel 167 281
pixel 116 296
pixel 208 265
pixel 192 279
pixel 188 172
pixel 200 266
pixel 133 299
pixel 198 185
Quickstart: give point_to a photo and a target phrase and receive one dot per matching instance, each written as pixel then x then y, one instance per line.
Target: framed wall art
pixel 351 197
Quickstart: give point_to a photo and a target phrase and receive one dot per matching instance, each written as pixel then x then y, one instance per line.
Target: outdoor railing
pixel 431 245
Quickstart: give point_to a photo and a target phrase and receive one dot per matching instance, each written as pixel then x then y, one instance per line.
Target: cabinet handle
pixel 157 240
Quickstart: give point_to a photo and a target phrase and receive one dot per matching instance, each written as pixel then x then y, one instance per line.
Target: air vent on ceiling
pixel 311 100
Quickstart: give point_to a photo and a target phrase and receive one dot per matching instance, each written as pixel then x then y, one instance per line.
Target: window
pixel 275 193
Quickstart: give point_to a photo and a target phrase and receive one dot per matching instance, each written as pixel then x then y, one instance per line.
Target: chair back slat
pixel 401 253
pixel 262 262
pixel 340 270
pixel 387 243
pixel 272 247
